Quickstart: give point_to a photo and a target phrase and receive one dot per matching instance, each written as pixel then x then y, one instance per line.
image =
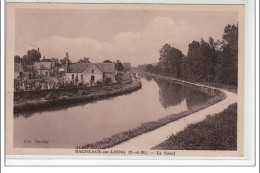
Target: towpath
pixel 150 139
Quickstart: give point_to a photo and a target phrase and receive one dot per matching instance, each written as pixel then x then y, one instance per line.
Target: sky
pixel 134 36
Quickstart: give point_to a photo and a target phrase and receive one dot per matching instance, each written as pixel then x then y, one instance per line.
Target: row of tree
pixel 206 61
pixel 29 58
pixel 34 55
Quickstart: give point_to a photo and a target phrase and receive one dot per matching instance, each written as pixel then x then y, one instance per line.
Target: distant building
pixel 24 71
pixel 88 72
pixel 64 67
pixel 45 68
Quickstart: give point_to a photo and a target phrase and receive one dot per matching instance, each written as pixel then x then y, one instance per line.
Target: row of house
pixel 38 68
pixel 72 72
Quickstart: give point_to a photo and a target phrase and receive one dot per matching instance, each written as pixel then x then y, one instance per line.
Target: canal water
pixel 68 127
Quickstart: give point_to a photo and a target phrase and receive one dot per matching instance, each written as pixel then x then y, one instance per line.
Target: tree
pixel 212 61
pixel 24 59
pixel 17 59
pixel 33 56
pixel 107 61
pixel 201 60
pixel 56 60
pixel 170 60
pixel 84 60
pixel 164 59
pixel 63 61
pixel 227 65
pixel 149 68
pixel 119 66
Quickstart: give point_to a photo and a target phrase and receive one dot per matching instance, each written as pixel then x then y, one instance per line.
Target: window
pixel 72 76
pixel 92 70
pixel 82 77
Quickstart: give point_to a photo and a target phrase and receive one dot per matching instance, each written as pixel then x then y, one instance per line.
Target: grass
pixel 230 88
pixel 149 126
pixel 216 132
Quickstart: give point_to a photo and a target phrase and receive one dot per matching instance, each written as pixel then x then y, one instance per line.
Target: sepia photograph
pixel 124 79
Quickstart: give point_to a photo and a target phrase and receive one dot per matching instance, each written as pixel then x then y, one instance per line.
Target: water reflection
pixel 172 93
pixel 67 127
pixel 57 108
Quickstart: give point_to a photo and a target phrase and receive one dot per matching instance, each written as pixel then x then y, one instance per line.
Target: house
pixel 109 70
pixel 45 68
pixel 90 73
pixel 24 71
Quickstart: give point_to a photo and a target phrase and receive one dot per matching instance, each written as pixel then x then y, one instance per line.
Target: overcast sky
pixel 130 36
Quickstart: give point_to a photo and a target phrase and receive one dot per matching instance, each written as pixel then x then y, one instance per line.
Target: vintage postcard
pixel 124 80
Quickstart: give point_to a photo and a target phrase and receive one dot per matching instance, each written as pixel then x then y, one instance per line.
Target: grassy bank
pixel 149 126
pixel 230 88
pixel 61 99
pixel 216 132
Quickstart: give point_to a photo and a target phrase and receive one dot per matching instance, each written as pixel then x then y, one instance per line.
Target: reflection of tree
pixel 195 97
pixel 172 93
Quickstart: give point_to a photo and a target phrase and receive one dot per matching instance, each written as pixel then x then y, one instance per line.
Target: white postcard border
pixel 248 109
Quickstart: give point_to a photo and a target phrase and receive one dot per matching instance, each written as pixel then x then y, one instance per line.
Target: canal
pixel 68 127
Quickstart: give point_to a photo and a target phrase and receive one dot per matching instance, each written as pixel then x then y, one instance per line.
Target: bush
pixel 107 80
pixel 99 82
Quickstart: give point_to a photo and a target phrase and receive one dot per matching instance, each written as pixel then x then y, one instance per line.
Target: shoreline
pixel 151 139
pixel 153 125
pixel 51 103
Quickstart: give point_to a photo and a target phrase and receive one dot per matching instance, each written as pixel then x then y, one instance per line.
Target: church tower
pixel 67 62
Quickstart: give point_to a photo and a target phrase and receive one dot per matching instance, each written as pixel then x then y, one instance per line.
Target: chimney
pixel 38 50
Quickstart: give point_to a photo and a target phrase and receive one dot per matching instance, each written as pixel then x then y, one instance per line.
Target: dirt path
pixel 148 140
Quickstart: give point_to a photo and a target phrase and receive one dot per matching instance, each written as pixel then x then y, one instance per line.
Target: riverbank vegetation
pixel 211 61
pixel 152 125
pixel 39 100
pixel 216 132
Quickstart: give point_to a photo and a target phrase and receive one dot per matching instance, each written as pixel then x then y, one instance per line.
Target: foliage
pixel 107 61
pixel 63 61
pixel 107 80
pixel 212 61
pixel 119 66
pixel 216 132
pixel 99 82
pixel 32 56
pixel 84 60
pixel 17 59
pixel 170 61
